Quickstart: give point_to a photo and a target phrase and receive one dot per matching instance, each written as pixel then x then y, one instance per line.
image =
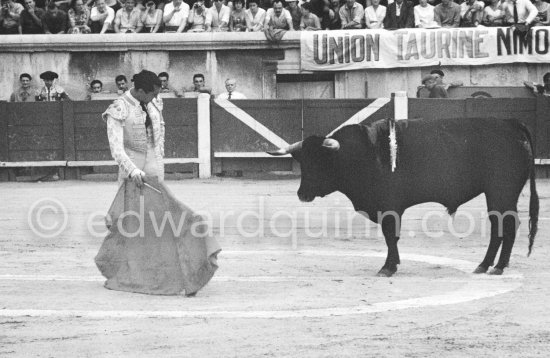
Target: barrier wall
pixel 234 134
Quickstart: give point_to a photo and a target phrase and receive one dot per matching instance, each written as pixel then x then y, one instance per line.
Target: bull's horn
pixel 331 144
pixel 288 150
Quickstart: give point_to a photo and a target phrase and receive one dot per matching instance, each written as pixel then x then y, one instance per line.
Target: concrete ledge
pixel 247 155
pixel 149 42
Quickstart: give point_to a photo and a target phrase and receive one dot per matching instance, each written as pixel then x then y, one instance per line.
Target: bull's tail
pixel 534 199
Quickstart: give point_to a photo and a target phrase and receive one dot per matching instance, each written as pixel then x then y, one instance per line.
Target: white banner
pixel 345 50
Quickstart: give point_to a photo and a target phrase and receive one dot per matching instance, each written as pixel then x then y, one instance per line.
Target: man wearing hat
pixel 51 92
pixel 439 76
pixel 435 90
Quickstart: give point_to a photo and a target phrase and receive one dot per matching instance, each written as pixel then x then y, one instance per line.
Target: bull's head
pixel 317 159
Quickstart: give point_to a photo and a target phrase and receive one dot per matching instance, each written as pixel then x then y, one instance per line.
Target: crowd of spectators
pixel 152 16
pixel 51 91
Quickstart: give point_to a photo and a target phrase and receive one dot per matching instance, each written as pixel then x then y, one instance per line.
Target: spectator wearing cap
pixel 79 16
pixel 121 84
pixel 102 18
pixel 447 14
pixel 200 18
pixel 375 15
pixel 30 21
pixel 399 15
pixel 175 16
pixel 151 17
pixel 25 92
pixel 256 16
pixel 435 90
pixel 231 86
pixel 51 91
pixel 128 18
pixel 237 20
pixel 295 12
pixel 220 16
pixel 9 17
pixel 440 75
pixel 55 21
pixel 351 15
pixel 309 21
pixel 278 18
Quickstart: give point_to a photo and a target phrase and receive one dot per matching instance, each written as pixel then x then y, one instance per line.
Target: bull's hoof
pixel 385 272
pixel 481 269
pixel 496 271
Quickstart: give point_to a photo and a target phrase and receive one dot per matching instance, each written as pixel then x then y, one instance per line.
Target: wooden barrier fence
pixel 213 133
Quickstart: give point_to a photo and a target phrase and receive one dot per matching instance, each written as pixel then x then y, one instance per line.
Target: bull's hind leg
pixel 510 224
pixel 391 226
pixel 492 250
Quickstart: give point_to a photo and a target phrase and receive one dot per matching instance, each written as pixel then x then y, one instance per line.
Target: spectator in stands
pixel 295 12
pixel 151 17
pixel 30 20
pixel 540 89
pixel 165 86
pixel 220 16
pixel 51 92
pixel 175 16
pixel 526 12
pixel 265 4
pixel 256 16
pixel 121 84
pixel 400 15
pixel 493 15
pixel 102 18
pixel 199 86
pixel 424 15
pixel 9 17
pixel 439 76
pixel 128 19
pixel 436 91
pixel 55 21
pixel 200 18
pixel 471 13
pixel 25 93
pixel 375 15
pixel 79 16
pixel 231 86
pixel 543 17
pixel 447 14
pixel 96 86
pixel 334 22
pixel 278 18
pixel 309 21
pixel 351 15
pixel 237 20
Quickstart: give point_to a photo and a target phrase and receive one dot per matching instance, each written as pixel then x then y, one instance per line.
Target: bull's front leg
pixel 391 226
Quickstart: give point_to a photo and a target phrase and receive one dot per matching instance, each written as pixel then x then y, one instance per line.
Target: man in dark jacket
pixel 400 15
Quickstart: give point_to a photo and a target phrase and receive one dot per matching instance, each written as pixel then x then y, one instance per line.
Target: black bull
pixel 448 161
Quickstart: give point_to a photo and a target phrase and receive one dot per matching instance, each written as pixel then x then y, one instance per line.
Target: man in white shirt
pixel 175 16
pixel 102 17
pixel 255 16
pixel 220 16
pixel 471 12
pixel 526 12
pixel 351 15
pixel 230 86
pixel 278 18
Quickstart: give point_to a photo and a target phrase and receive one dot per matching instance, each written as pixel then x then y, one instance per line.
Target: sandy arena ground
pixel 303 285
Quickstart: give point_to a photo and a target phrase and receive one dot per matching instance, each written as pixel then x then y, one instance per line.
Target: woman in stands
pixel 237 19
pixel 151 17
pixel 493 15
pixel 200 18
pixel 79 17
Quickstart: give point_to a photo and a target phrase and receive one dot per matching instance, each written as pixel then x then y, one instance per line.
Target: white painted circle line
pixel 476 287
